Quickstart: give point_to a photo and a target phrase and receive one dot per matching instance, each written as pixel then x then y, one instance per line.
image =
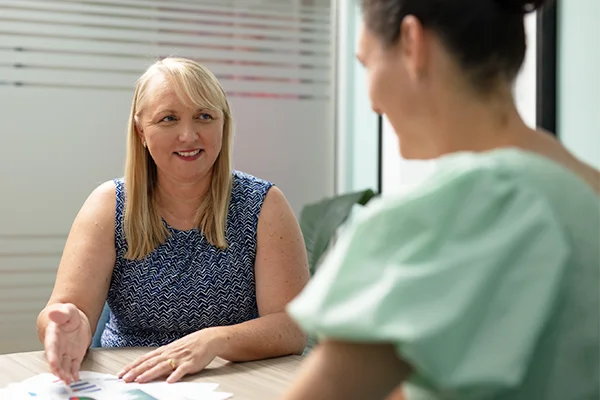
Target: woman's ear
pixel 412 44
pixel 139 131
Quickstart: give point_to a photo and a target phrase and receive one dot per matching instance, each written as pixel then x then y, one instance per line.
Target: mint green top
pixel 485 277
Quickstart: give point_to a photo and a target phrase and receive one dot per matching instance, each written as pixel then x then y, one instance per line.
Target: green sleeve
pixel 460 276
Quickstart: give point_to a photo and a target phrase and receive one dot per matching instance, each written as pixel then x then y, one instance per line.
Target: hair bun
pixel 521 6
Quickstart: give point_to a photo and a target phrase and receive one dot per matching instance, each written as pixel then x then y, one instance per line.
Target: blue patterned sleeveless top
pixel 186 284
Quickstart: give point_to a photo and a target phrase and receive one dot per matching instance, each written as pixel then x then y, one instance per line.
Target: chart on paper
pixel 95 386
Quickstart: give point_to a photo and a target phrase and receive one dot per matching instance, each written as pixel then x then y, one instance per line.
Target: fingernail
pixel 127 377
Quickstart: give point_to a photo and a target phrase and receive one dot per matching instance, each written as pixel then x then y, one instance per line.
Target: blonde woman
pixel 192 257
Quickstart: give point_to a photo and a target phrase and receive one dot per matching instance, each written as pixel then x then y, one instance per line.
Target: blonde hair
pixel 143 225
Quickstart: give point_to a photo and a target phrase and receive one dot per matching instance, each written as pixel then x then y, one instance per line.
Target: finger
pixel 134 373
pixel 54 352
pixel 140 360
pixel 161 369
pixel 66 369
pixel 60 314
pixel 51 347
pixel 66 316
pixel 181 371
pixel 189 367
pixel 75 365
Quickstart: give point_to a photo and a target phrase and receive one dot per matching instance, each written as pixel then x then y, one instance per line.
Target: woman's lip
pixel 190 158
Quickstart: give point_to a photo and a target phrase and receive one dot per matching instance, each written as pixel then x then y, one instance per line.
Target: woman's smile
pixel 189 155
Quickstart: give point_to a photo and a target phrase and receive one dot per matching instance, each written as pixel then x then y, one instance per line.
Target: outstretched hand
pixel 66 340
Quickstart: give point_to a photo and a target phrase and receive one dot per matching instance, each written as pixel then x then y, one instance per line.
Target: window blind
pixel 67 74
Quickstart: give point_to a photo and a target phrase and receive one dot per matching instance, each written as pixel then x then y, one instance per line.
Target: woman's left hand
pixel 188 355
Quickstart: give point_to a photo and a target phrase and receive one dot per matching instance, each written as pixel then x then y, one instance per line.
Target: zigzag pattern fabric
pixel 186 284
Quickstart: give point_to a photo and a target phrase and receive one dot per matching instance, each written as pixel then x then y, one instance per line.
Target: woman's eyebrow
pixel 165 110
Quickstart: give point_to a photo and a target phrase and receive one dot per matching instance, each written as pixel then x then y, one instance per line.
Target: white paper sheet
pixel 96 386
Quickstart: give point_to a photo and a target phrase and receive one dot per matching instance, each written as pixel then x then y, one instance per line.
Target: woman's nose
pixel 188 132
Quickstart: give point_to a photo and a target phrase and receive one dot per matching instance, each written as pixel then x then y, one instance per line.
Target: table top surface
pixel 256 380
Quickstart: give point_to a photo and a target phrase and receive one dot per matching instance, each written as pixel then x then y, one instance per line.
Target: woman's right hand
pixel 68 336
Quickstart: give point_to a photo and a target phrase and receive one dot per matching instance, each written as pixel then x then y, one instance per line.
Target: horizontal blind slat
pixel 23 306
pixel 322 6
pixel 26 263
pixel 304 29
pixel 25 292
pixel 137 66
pixel 100 80
pixel 31 244
pixel 154 37
pixel 293 40
pixel 18 321
pixel 248 12
pixel 150 52
pixel 35 277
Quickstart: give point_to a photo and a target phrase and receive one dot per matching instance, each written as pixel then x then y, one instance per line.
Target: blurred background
pixel 302 114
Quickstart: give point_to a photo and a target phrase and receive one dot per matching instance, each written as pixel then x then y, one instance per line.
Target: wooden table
pixel 257 380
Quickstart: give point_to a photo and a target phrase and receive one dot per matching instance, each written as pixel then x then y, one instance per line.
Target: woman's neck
pixel 178 201
pixel 460 122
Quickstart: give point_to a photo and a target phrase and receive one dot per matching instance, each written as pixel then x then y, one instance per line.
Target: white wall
pixel 357 125
pixel 526 82
pixel 579 78
pixel 399 174
pixel 67 74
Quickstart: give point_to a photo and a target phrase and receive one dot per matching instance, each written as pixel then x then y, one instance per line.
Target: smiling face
pixel 183 137
pixel 384 78
pixel 396 85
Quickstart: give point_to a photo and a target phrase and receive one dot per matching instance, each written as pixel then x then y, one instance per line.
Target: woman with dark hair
pixel 483 281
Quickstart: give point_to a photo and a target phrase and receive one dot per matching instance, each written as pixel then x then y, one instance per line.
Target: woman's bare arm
pixel 342 370
pixel 88 259
pixel 281 272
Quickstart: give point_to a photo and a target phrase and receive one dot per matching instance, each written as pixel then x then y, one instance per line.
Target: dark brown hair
pixel 487 37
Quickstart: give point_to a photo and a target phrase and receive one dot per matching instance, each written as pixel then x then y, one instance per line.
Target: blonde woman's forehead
pixel 162 93
pixel 159 88
pixel 157 91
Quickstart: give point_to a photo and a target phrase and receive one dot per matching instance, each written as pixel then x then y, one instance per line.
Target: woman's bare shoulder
pixel 99 207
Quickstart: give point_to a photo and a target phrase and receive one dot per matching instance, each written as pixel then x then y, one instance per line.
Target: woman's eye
pixel 168 118
pixel 206 117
